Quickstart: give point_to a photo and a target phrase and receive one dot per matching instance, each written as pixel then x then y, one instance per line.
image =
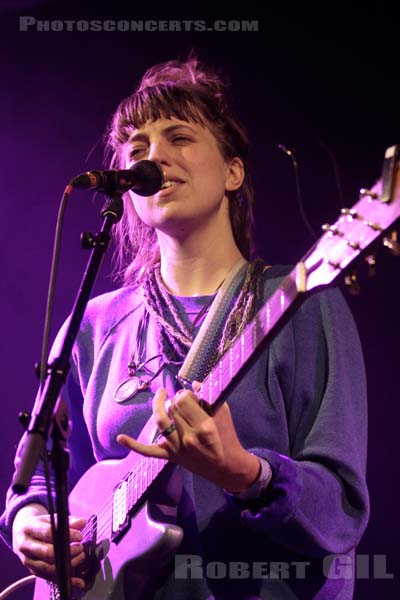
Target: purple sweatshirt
pixel 301 405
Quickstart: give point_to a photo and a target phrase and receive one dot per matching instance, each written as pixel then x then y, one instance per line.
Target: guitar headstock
pixel 356 229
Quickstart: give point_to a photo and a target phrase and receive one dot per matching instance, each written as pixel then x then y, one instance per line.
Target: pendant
pixel 128 389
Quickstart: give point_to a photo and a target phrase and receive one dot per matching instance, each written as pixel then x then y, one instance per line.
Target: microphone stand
pixel 49 415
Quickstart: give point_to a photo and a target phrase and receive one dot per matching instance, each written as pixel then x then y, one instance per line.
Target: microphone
pixel 145 178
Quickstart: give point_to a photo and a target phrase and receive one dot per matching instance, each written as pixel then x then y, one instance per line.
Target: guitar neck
pixel 262 327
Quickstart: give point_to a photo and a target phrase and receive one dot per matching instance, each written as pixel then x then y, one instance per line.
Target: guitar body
pixel 147 538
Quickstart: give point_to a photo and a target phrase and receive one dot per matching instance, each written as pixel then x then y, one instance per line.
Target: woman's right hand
pixel 32 542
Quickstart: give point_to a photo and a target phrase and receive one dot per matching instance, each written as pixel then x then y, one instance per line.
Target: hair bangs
pixel 164 102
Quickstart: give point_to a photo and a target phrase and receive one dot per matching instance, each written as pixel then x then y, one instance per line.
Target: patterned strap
pixel 200 356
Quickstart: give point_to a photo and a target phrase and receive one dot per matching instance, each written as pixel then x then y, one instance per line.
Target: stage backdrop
pixel 325 85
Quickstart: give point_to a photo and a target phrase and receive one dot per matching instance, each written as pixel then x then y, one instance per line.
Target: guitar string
pixel 134 478
pixel 103 517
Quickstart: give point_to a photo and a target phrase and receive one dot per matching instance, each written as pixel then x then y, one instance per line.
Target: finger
pixel 186 403
pixel 161 415
pixel 43 532
pixel 40 568
pixel 196 386
pixel 154 450
pixel 46 571
pixel 77 523
pixel 38 528
pixel 223 414
pixel 76 560
pixel 76 550
pixel 163 420
pixel 36 552
pixel 181 423
pixel 42 524
pixel 78 583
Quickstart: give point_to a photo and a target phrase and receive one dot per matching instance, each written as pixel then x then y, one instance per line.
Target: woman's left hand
pixel 208 446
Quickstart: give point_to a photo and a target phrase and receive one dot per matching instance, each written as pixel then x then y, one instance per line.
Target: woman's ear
pixel 235 174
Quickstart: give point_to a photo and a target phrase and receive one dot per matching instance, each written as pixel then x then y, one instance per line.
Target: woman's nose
pixel 159 152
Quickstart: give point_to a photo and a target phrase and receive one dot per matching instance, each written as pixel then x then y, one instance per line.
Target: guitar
pixel 129 530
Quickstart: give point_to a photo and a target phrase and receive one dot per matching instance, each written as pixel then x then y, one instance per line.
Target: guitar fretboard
pixel 245 345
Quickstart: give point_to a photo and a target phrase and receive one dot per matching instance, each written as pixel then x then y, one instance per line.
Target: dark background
pixel 322 82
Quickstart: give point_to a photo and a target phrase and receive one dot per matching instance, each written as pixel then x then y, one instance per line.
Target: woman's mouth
pixel 169 186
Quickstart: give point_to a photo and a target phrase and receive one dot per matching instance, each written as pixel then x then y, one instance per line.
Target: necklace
pixel 133 384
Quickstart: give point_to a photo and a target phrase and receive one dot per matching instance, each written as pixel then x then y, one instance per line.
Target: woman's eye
pixel 179 138
pixel 136 151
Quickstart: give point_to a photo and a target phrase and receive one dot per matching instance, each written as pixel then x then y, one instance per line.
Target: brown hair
pixel 190 92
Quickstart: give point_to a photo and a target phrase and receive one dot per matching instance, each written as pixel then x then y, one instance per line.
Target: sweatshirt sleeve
pixel 317 501
pixel 78 444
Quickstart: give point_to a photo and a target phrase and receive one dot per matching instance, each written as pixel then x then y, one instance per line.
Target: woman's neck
pixel 196 267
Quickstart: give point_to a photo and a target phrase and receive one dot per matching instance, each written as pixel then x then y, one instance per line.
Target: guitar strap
pixel 200 358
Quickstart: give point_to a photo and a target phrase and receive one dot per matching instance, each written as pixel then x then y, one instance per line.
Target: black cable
pixel 45 347
pixel 52 284
pixel 336 172
pixel 298 190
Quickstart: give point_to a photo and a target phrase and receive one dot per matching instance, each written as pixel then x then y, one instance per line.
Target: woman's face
pixel 196 175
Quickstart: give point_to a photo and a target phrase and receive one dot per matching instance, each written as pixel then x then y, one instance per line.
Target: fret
pixel 130 490
pixel 225 370
pixel 201 392
pixel 144 479
pixel 282 301
pixel 268 315
pixel 209 398
pixel 141 488
pixel 152 464
pixel 134 490
pixel 148 469
pixel 236 358
pixel 136 486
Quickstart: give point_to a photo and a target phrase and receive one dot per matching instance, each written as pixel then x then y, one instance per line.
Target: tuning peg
pixel 351 213
pixel 365 192
pixel 370 259
pixel 391 242
pixel 24 418
pixel 333 229
pixel 352 284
